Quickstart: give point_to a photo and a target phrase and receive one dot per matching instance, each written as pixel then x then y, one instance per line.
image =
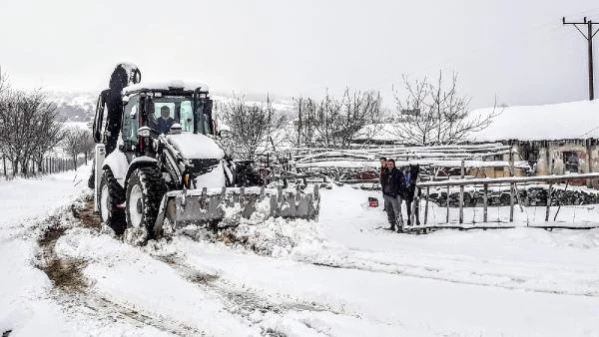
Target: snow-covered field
pixel 342 276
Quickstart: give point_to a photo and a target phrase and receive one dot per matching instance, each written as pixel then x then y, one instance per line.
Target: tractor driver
pixel 164 123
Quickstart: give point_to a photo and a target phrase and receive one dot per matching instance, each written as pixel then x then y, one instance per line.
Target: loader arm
pixel 99 118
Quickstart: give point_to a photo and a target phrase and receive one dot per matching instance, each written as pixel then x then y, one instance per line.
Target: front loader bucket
pixel 230 204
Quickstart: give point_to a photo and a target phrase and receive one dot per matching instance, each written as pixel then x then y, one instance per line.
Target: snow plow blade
pixel 213 205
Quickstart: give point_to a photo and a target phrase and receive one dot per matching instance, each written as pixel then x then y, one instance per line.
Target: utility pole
pixel 589 37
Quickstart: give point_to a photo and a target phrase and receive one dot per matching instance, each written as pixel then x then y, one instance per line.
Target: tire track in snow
pixel 71 288
pixel 99 306
pixel 424 272
pixel 243 303
pixel 467 275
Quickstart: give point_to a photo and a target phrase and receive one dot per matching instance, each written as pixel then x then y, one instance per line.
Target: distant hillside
pixel 77 106
pixel 74 106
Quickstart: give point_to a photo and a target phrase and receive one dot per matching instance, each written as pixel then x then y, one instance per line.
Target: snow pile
pixel 276 237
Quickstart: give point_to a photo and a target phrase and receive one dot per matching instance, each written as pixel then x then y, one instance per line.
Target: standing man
pixel 383 179
pixel 392 194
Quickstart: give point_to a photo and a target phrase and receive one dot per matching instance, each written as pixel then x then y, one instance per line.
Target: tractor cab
pixel 165 109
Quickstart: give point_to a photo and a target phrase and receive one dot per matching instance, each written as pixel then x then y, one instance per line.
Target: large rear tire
pixel 145 190
pixel 111 194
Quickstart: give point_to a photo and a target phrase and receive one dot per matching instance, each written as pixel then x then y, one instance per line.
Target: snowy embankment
pixel 342 276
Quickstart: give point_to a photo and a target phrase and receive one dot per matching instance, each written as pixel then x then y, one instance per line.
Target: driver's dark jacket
pixel 163 125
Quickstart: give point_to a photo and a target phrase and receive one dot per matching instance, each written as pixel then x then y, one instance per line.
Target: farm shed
pixel 553 139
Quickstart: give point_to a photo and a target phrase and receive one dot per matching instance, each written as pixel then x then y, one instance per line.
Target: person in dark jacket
pixel 393 192
pixel 383 179
pixel 164 123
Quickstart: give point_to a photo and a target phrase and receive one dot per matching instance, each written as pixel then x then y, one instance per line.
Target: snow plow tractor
pixel 157 161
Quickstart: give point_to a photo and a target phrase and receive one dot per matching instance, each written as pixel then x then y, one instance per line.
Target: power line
pixel 589 35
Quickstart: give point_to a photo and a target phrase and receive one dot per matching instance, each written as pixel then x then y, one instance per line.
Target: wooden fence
pixel 50 165
pixel 486 182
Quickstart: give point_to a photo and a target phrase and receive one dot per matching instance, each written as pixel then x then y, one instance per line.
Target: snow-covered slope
pixel 74 106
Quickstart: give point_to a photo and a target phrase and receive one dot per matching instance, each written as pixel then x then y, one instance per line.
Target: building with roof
pixel 554 139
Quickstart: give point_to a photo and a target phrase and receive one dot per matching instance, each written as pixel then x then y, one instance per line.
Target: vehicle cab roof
pixel 179 87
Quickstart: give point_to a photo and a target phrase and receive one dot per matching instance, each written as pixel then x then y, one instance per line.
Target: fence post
pixel 512 202
pixel 426 205
pixel 512 185
pixel 447 216
pixel 462 194
pixel 548 202
pixel 4 163
pixel 485 201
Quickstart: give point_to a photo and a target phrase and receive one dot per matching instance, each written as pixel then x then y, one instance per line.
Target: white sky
pixel 517 50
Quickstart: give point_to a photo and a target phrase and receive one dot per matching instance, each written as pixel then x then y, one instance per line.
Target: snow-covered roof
pixel 386 132
pixel 188 86
pixel 575 120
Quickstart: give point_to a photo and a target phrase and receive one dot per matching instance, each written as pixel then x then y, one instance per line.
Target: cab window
pixel 131 121
pixel 165 111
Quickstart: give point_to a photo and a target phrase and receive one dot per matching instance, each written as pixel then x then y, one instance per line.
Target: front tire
pixel 145 190
pixel 111 194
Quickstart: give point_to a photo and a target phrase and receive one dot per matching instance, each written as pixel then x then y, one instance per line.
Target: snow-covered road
pixel 342 276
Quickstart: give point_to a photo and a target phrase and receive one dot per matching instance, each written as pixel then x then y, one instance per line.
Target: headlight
pixel 144 131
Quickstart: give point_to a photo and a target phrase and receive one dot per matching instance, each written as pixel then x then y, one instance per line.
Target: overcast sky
pixel 517 50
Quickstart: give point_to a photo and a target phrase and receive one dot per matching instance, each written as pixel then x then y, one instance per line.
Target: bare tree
pixel 29 128
pixel 88 145
pixel 16 120
pixel 334 123
pixel 3 94
pixel 47 126
pixel 252 125
pixel 3 81
pixel 435 113
pixel 76 141
pixel 306 122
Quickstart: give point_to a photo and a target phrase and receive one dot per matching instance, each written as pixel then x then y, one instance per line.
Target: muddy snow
pixel 65 275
